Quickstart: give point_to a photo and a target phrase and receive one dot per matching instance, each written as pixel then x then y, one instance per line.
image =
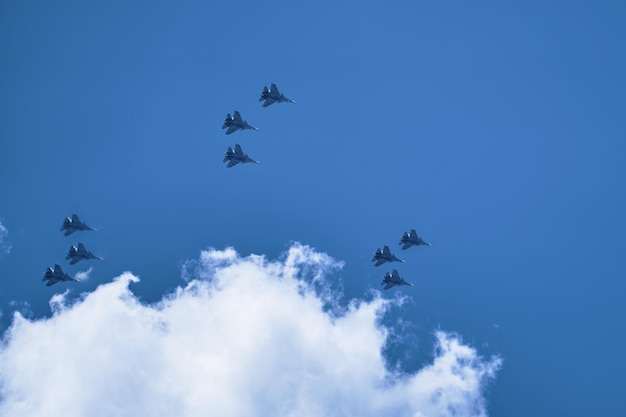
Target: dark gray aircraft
pixel 235 123
pixel 412 239
pixel 272 96
pixel 55 274
pixel 392 279
pixel 237 157
pixel 385 255
pixel 78 253
pixel 74 224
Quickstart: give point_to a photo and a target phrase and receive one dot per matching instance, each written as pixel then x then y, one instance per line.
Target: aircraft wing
pixel 58 272
pixel 231 129
pixel 237 117
pixel 274 89
pixel 75 219
pixel 386 251
pixel 238 150
pixel 395 275
pixel 49 273
pixel 413 234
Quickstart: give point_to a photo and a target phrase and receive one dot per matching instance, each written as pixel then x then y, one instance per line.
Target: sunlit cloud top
pixel 244 337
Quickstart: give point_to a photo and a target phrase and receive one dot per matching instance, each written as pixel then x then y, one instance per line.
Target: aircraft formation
pixel 235 123
pixel 76 253
pixel 381 256
pixel 234 157
pixel 237 156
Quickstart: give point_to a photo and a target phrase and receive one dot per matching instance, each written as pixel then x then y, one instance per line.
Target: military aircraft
pixel 237 157
pixel 272 96
pixel 78 253
pixel 74 224
pixel 385 255
pixel 55 274
pixel 412 239
pixel 392 279
pixel 235 123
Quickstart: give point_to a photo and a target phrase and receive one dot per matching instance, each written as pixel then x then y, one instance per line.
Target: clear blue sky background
pixel 495 129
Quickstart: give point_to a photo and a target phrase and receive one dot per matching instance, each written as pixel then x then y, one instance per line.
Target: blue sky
pixel 496 130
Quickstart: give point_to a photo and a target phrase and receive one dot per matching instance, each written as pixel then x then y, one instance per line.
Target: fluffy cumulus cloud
pixel 5 245
pixel 244 337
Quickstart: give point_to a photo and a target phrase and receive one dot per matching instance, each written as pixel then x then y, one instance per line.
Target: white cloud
pixel 22 306
pixel 5 245
pixel 83 275
pixel 250 338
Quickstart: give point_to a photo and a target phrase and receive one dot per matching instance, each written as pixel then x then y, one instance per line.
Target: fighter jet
pixel 385 255
pixel 56 274
pixel 412 239
pixel 74 224
pixel 78 253
pixel 237 157
pixel 272 96
pixel 236 123
pixel 393 279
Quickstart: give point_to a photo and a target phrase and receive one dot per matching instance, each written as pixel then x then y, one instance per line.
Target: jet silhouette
pixel 237 157
pixel 272 96
pixel 74 224
pixel 392 279
pixel 55 274
pixel 385 255
pixel 78 253
pixel 235 123
pixel 412 239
